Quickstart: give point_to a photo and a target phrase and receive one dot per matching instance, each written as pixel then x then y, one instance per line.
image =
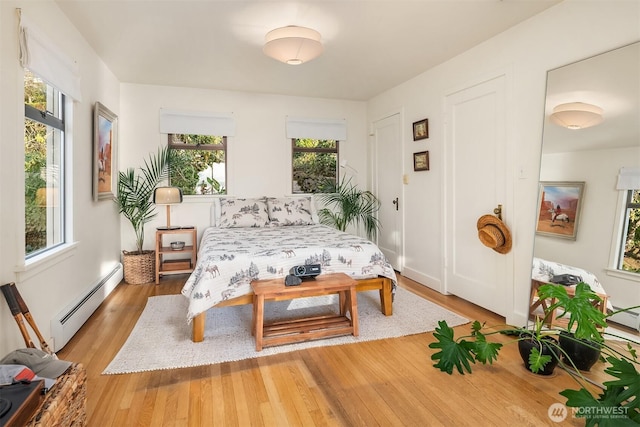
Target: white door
pixel 388 187
pixel 475 183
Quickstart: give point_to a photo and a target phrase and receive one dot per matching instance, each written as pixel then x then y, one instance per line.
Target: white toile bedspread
pixel 230 258
pixel 544 270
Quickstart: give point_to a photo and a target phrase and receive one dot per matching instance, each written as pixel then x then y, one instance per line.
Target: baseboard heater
pixel 627 318
pixel 70 320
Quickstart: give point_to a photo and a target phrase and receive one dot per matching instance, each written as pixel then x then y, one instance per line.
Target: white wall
pixel 592 248
pixel 96 227
pixel 258 156
pixel 560 35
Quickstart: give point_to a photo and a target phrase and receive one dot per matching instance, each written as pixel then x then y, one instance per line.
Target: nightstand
pixel 175 261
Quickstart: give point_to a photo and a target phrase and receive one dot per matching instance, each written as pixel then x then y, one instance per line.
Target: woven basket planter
pixel 139 268
pixel 66 403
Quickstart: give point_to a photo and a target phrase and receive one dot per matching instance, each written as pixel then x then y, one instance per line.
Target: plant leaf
pixel 628 378
pixel 452 354
pixel 537 360
pixel 486 351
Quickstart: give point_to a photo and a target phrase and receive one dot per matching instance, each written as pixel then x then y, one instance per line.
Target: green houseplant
pixel 585 322
pixel 347 205
pixel 134 200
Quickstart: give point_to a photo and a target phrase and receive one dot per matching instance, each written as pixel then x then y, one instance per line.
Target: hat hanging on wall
pixel 494 234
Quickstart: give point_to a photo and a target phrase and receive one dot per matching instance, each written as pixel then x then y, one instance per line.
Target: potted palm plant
pixel 349 205
pixel 134 200
pixel 584 322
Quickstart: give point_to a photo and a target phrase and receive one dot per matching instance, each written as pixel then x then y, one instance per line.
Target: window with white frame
pixel 44 168
pixel 315 144
pixel 629 251
pixel 198 163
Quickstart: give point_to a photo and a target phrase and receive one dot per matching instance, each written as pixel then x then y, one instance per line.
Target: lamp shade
pixel 167 196
pixel 293 45
pixel 577 115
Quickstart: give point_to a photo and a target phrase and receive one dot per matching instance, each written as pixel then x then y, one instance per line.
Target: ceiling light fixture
pixel 293 45
pixel 577 115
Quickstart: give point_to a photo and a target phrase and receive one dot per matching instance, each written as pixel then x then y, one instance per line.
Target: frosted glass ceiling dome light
pixel 577 115
pixel 293 45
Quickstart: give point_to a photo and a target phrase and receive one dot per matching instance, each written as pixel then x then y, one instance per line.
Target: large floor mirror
pixel 591 132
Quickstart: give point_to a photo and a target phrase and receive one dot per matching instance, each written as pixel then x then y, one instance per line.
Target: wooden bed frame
pixel 383 284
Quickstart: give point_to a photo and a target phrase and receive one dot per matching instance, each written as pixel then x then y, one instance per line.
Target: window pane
pixel 313 172
pixel 43 184
pixel 314 165
pixel 200 167
pixel 631 255
pixel 43 165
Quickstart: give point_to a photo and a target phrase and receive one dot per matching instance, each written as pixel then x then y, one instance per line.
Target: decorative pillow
pixel 290 210
pixel 235 213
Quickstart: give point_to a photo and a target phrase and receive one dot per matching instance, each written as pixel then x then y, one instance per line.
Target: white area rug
pixel 161 339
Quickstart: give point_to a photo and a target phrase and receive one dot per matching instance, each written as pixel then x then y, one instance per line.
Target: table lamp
pixel 167 196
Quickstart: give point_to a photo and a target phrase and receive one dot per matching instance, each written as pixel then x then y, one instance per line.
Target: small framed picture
pixel 559 206
pixel 105 142
pixel 421 129
pixel 421 161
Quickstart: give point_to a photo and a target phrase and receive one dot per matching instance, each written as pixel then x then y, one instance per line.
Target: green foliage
pixel 314 164
pixel 135 191
pixel 347 205
pixel 623 393
pixel 186 164
pixel 586 318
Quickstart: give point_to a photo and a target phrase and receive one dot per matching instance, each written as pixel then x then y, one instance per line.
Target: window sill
pixel 627 275
pixel 40 263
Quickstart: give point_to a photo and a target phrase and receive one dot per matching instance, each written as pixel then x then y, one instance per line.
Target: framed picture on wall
pixel 421 161
pixel 421 129
pixel 105 142
pixel 559 206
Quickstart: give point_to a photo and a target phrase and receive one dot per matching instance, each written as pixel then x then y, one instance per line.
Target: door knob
pixel 395 202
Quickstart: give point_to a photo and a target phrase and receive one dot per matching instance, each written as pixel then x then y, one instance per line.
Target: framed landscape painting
pixel 105 140
pixel 559 206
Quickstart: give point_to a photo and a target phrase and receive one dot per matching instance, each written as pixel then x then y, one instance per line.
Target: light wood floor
pixel 387 383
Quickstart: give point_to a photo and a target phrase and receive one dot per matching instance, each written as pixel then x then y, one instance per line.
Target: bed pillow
pixel 215 212
pixel 290 211
pixel 236 213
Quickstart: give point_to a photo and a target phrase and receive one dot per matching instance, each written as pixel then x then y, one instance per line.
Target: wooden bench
pixel 382 284
pixel 308 328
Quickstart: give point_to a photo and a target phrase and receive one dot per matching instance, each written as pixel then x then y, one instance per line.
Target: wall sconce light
pixel 293 45
pixel 167 196
pixel 577 115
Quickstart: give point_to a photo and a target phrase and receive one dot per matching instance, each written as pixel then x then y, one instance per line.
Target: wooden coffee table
pixel 309 328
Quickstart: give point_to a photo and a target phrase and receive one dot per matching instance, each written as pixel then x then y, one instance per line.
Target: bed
pixel 263 238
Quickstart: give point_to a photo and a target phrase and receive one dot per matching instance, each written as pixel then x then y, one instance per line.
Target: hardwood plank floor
pixel 388 382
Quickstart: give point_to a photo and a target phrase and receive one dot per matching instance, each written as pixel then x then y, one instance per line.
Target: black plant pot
pixel 528 343
pixel 583 353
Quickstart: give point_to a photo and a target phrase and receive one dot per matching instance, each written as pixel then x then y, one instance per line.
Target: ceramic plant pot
pixel 583 353
pixel 528 343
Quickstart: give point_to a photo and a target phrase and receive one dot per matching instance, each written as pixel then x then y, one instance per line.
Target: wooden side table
pixel 309 328
pixel 175 265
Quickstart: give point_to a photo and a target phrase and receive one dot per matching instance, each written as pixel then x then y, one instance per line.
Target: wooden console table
pixel 304 329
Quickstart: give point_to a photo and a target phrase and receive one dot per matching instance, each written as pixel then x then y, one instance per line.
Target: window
pixel 315 164
pixel 198 163
pixel 44 147
pixel 629 259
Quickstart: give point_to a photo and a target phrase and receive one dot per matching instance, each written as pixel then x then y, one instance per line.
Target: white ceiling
pixel 370 46
pixel 612 82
